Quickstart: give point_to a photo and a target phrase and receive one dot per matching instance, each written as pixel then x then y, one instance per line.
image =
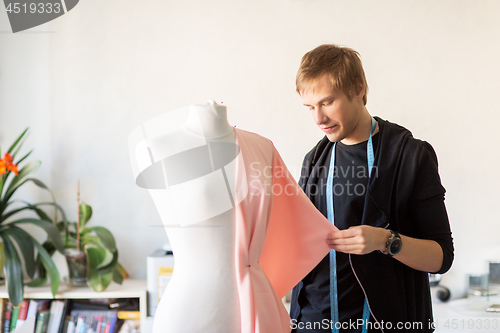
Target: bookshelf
pixel 130 288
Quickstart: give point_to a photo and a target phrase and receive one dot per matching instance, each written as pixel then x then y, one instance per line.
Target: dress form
pixel 202 295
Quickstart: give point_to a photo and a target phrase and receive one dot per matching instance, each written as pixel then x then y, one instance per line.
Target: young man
pixel 382 190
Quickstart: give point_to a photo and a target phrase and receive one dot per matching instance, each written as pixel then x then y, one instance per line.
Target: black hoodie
pixel 405 195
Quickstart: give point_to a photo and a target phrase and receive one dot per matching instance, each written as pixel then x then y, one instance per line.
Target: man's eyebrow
pixel 322 100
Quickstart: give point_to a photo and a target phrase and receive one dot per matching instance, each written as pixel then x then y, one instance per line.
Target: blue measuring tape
pixel 334 302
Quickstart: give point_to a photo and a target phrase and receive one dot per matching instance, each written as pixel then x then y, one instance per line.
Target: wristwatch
pixel 394 243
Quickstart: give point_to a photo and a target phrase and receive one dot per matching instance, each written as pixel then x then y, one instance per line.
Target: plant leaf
pixel 25 245
pixel 108 258
pixel 42 204
pixel 41 272
pixel 85 231
pixel 122 270
pixel 70 244
pixel 12 212
pixel 106 237
pixel 93 240
pixel 39 183
pixel 37 210
pixel 41 214
pixel 96 280
pixel 21 178
pixel 13 146
pixel 22 158
pixel 85 214
pixel 13 271
pixel 17 150
pixel 117 276
pixel 2 256
pixel 49 265
pixel 49 228
pixel 110 266
pixel 38 282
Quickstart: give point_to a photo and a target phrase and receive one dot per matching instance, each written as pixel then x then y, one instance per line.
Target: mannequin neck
pixel 208 120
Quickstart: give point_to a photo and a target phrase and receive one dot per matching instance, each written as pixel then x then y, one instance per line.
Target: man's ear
pixel 359 89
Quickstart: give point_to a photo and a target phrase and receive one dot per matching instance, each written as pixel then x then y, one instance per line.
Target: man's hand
pixel 421 254
pixel 360 239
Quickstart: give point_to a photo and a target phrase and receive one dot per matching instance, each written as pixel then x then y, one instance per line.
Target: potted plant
pixel 10 233
pixel 90 252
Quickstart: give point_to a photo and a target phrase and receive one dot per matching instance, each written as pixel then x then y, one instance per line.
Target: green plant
pixel 12 234
pixel 99 246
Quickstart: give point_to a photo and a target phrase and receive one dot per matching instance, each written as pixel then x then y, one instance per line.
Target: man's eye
pixel 327 103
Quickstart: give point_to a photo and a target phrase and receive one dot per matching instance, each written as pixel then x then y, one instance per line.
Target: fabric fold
pixel 280 235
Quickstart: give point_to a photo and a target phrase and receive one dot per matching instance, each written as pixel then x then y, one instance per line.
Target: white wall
pixel 107 66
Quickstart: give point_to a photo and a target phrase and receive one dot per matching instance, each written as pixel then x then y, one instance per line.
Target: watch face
pixel 395 246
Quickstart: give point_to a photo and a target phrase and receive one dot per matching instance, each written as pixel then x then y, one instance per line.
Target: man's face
pixel 333 111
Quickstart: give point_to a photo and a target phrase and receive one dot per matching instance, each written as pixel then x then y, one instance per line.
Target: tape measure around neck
pixel 334 306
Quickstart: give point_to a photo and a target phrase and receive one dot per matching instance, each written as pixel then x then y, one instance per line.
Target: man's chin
pixel 333 137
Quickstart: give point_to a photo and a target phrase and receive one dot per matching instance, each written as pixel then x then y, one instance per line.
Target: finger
pixel 335 234
pixel 342 234
pixel 353 249
pixel 344 240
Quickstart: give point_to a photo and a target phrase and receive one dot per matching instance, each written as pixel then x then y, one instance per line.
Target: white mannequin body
pixel 202 295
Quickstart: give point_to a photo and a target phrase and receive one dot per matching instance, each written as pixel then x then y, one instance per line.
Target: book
pixel 71 326
pixel 100 320
pixel 13 318
pixel 3 304
pixel 23 314
pixel 32 309
pixel 63 315
pixel 42 319
pixel 64 326
pixel 112 324
pixel 8 314
pixel 56 323
pixel 52 310
pixel 129 314
pixel 79 324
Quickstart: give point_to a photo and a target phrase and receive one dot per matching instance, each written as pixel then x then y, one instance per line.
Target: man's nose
pixel 319 116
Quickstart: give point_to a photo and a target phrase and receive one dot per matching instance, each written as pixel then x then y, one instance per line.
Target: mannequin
pixel 204 252
pixel 238 246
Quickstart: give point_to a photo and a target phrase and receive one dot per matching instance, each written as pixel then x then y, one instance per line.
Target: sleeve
pixel 427 208
pixel 296 236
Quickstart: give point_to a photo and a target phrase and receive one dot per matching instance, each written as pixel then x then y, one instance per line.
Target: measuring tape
pixel 334 302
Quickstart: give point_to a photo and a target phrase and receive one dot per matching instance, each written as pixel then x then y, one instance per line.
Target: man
pixel 382 190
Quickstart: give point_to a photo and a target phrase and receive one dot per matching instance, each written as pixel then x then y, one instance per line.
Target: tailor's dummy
pixel 202 295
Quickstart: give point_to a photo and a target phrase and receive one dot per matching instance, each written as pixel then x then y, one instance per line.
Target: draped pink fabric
pixel 280 235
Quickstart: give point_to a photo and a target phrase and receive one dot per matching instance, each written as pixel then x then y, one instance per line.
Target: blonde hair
pixel 342 64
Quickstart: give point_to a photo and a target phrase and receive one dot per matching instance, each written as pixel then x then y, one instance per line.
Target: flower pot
pixel 77 267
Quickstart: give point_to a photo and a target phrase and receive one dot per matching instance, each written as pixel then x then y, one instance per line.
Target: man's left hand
pixel 360 239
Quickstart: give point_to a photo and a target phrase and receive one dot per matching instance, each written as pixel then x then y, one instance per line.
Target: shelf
pixel 130 288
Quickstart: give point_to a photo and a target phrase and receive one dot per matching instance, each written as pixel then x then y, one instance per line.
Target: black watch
pixel 394 243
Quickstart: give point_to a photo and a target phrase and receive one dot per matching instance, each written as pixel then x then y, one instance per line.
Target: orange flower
pixel 8 158
pixel 3 166
pixel 13 168
pixel 6 164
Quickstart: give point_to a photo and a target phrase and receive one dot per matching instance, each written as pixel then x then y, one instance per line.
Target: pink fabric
pixel 280 235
